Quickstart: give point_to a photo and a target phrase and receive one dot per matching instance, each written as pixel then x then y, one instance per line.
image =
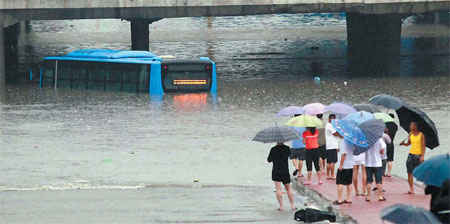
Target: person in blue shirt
pixel 298 152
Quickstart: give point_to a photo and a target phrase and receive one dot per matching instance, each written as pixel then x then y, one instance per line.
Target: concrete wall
pixel 152 9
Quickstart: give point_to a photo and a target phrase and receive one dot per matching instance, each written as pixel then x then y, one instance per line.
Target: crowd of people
pixel 322 148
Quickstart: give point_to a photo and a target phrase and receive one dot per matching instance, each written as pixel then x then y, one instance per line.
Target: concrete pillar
pixel 2 58
pixel 140 34
pixel 373 44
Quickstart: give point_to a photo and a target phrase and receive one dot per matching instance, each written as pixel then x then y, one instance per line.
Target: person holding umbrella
pixel 310 139
pixel 279 155
pixel 416 153
pixel 392 130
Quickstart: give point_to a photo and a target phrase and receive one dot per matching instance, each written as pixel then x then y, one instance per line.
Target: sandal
pixel 409 192
pixel 382 199
pixel 320 182
pixel 295 173
pixel 347 202
pixel 307 183
pixel 358 194
pixel 338 203
pixel 367 199
pixel 301 175
pixel 388 175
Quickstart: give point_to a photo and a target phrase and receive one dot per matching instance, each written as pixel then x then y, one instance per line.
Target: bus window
pixel 64 74
pixel 47 73
pixel 79 74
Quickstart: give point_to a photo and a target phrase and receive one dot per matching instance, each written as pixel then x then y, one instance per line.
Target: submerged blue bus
pixel 130 71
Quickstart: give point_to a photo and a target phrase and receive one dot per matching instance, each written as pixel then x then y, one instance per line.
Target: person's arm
pixel 409 141
pixel 422 157
pixel 270 158
pixel 341 165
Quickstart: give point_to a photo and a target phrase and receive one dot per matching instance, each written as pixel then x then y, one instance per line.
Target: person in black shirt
pixel 392 130
pixel 279 156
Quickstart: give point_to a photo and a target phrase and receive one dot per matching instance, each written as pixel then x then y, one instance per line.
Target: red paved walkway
pixel 369 212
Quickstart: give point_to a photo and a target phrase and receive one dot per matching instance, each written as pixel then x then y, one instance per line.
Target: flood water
pixel 85 139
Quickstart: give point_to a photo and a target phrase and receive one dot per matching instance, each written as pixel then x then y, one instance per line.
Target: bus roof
pixel 113 56
pixel 107 55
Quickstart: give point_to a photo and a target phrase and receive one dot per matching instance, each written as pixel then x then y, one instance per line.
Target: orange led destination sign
pixel 189 82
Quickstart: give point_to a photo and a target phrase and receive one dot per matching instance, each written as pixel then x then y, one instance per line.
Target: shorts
pixel 390 152
pixel 281 178
pixel 323 151
pixel 298 154
pixel 344 177
pixel 412 162
pixel 331 155
pixel 370 171
pixel 359 160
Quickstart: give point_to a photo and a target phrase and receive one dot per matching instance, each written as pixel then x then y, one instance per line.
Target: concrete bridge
pixel 372 25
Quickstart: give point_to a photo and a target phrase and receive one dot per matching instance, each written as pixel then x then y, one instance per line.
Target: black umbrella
pixel 388 101
pixel 408 114
pixel 366 107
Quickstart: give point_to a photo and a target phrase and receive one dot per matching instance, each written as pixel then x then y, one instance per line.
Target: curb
pixel 322 202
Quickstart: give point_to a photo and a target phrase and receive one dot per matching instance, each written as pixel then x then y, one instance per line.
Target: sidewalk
pixel 360 211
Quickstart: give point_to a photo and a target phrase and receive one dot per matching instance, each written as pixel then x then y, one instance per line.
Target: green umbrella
pixel 304 121
pixel 384 116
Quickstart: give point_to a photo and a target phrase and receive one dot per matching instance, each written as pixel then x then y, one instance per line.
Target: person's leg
pixel 316 164
pixel 349 193
pixel 340 190
pixel 389 168
pixel 369 180
pixel 355 178
pixel 295 163
pixel 309 162
pixel 332 170
pixel 379 181
pixel 290 195
pixel 300 166
pixel 328 170
pixel 383 166
pixel 364 178
pixel 411 183
pixel 279 194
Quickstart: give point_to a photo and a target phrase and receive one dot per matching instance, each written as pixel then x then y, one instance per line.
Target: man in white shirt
pixel 345 172
pixel 332 146
pixel 374 167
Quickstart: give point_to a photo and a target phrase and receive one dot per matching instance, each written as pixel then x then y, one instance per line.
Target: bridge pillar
pixel 373 44
pixel 140 33
pixel 11 52
pixel 2 57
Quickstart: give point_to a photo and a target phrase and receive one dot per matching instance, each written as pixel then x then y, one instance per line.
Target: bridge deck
pixel 369 212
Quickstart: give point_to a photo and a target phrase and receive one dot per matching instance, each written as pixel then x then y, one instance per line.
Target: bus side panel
pixel 214 79
pixel 40 78
pixel 155 79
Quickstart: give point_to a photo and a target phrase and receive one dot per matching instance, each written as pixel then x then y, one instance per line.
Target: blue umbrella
pixel 373 130
pixel 340 108
pixel 289 111
pixel 407 214
pixel 359 117
pixel 350 131
pixel 434 171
